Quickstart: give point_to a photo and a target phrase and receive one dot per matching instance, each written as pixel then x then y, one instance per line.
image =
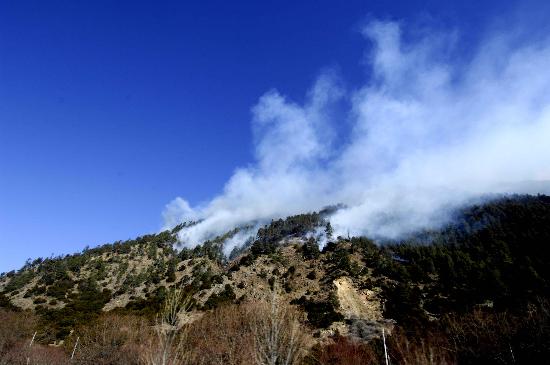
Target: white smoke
pixel 238 239
pixel 428 134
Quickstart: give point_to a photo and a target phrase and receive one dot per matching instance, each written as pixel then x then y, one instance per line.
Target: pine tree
pixel 328 231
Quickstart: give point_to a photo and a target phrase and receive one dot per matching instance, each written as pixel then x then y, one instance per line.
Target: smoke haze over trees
pixel 426 133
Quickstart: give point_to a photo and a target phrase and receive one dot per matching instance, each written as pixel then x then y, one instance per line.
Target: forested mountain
pixel 474 291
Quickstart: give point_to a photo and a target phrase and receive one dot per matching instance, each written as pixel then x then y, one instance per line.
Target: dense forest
pixel 475 291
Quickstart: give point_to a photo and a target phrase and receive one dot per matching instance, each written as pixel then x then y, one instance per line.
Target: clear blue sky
pixel 110 109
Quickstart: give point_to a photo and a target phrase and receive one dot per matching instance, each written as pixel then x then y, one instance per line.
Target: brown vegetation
pixel 111 339
pixel 472 296
pixel 272 332
pixel 166 347
pixel 16 333
pixel 251 333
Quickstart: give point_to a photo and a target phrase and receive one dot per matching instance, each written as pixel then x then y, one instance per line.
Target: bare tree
pixel 110 339
pixel 167 347
pixel 222 337
pixel 278 336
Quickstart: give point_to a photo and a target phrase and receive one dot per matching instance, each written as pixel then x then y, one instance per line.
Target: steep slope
pixel 493 255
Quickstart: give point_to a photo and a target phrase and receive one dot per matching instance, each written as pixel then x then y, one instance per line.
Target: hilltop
pixel 487 271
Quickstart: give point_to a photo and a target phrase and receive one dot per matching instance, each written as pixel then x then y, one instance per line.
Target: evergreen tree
pixel 328 231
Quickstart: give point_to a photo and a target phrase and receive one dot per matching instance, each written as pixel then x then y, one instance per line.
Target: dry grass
pixel 344 351
pixel 250 333
pixel 16 332
pixel 166 347
pixel 111 339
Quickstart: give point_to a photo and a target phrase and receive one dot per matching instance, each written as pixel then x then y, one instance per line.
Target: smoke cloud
pixel 428 133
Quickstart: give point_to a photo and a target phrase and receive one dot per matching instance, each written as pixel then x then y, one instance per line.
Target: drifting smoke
pixel 428 134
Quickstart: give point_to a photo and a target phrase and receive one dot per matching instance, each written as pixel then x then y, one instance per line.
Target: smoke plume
pixel 429 131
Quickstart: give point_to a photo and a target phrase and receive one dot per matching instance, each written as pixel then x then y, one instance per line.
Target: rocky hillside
pixel 332 285
pixel 493 257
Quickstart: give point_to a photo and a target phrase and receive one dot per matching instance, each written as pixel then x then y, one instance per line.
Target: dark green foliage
pixel 152 251
pixel 329 231
pixel 270 281
pixel 151 305
pixel 210 249
pixel 19 280
pixel 82 307
pixel 204 278
pixel 171 271
pixel 246 260
pixel 52 270
pixel 132 281
pixel 54 275
pixel 319 314
pixel 341 264
pixel 287 287
pixel 60 288
pixel 5 302
pixel 185 254
pixel 495 257
pixel 497 253
pixel 75 262
pixel 122 268
pixel 404 304
pixel 183 225
pixel 10 274
pixel 263 248
pixel 36 290
pixel 330 247
pixel 213 248
pixel 226 296
pixel 310 249
pixel 156 272
pixel 162 239
pixel 367 248
pixel 217 279
pixel 99 269
pixel 298 225
pixel 239 250
pixel 89 298
pixel 39 300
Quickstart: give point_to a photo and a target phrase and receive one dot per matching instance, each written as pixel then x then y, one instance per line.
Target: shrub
pixel 19 280
pixel 5 302
pixel 16 331
pixel 110 339
pixel 60 288
pixel 343 351
pixel 320 314
pixel 16 327
pixel 310 250
pixel 39 300
pixel 226 296
pixel 222 336
pixel 257 332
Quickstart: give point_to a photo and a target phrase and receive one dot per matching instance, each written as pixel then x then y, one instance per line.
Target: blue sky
pixel 111 109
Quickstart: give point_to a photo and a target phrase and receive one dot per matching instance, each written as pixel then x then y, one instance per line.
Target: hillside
pixel 475 291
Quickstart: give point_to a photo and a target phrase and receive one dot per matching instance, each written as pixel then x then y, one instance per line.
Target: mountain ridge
pixel 493 255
